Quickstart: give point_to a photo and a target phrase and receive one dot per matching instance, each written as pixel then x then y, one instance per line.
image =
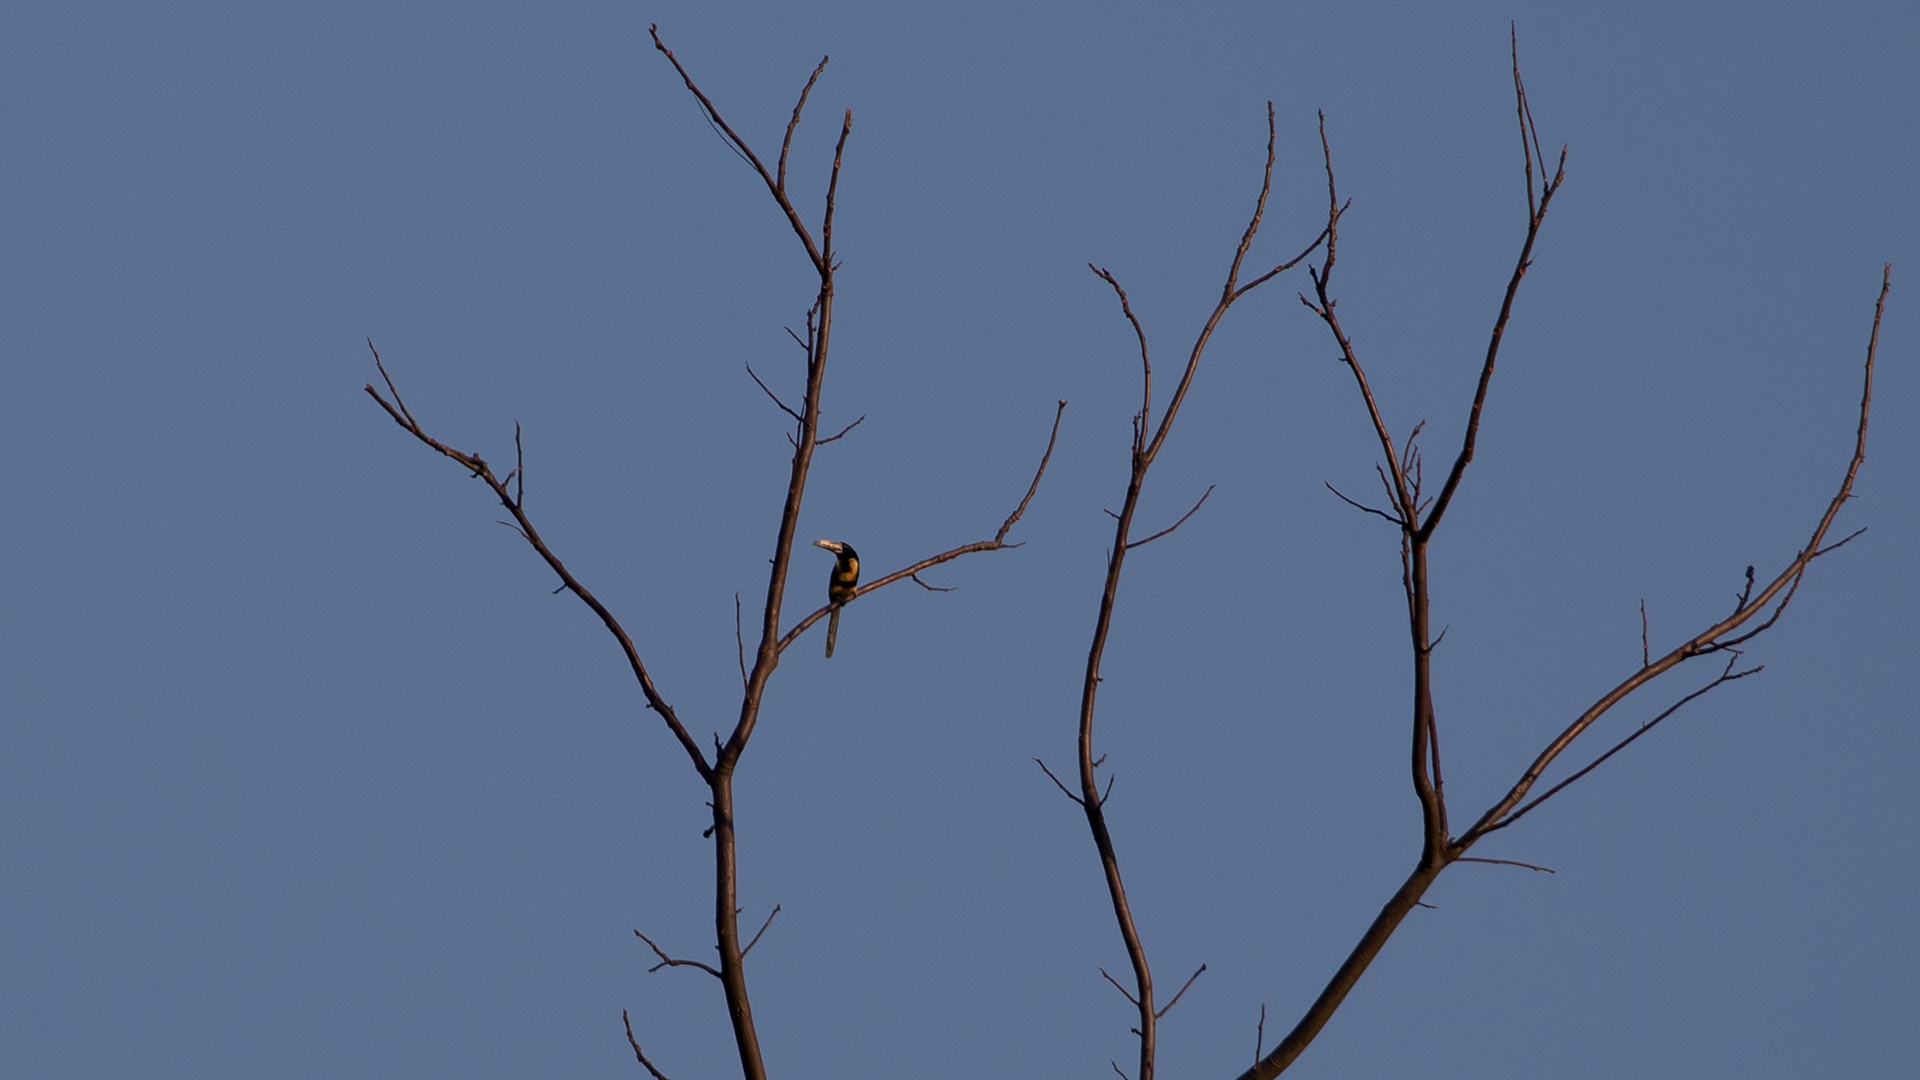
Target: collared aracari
pixel 841 584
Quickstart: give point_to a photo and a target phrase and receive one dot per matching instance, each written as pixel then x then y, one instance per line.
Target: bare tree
pixel 1408 508
pixel 717 771
pixel 1417 516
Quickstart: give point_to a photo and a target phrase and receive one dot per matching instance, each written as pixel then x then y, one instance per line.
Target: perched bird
pixel 841 585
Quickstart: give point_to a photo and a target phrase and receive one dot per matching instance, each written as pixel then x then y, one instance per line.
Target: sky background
pixel 304 772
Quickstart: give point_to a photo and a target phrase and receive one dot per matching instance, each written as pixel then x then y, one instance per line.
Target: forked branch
pixel 1756 609
pixel 776 184
pixel 998 542
pixel 669 961
pixel 1536 216
pixel 1723 635
pixel 513 501
pixel 1149 436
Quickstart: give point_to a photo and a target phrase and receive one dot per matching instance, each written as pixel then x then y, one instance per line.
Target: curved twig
pixel 668 961
pixel 635 1043
pixel 997 543
pixel 1177 524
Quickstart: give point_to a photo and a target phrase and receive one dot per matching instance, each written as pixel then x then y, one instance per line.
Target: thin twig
pixel 1176 997
pixel 1260 1034
pixel 739 640
pixel 996 544
pixel 1056 780
pixel 1117 986
pixel 763 929
pixel 1646 656
pixel 833 188
pixel 1714 638
pixel 1177 524
pixel 786 142
pixel 478 466
pixel 1536 216
pixel 1727 675
pixel 1504 862
pixel 1362 506
pixel 635 1043
pixel 773 396
pixel 668 961
pixel 836 437
pixel 1146 360
pixel 931 588
pixel 775 186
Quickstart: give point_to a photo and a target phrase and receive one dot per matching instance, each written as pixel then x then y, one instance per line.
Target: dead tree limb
pixel 1754 611
pixel 1148 438
pixel 718 771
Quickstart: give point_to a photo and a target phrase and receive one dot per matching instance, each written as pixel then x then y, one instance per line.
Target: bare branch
pixel 997 543
pixel 668 961
pixel 1056 781
pixel 775 398
pixel 836 437
pixel 786 142
pixel 478 467
pixel 1536 216
pixel 1504 862
pixel 1260 1034
pixel 776 186
pixel 1144 450
pixel 763 929
pixel 1322 277
pixel 1714 638
pixel 931 588
pixel 1646 657
pixel 739 640
pixel 1146 359
pixel 833 187
pixel 1726 676
pixel 1123 990
pixel 635 1043
pixel 1362 506
pixel 1177 524
pixel 1176 997
pixel 1842 542
pixel 519 469
pixel 1046 456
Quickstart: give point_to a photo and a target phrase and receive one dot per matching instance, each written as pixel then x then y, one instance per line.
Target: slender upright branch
pixel 1536 216
pixel 1144 450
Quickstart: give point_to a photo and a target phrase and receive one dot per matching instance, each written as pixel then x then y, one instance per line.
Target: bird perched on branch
pixel 841 585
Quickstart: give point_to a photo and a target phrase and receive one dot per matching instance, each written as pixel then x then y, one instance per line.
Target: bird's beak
pixel 831 545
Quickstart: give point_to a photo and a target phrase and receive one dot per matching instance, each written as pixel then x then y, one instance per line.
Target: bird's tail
pixel 833 630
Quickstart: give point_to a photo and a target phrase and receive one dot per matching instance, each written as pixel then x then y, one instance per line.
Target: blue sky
pixel 304 773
